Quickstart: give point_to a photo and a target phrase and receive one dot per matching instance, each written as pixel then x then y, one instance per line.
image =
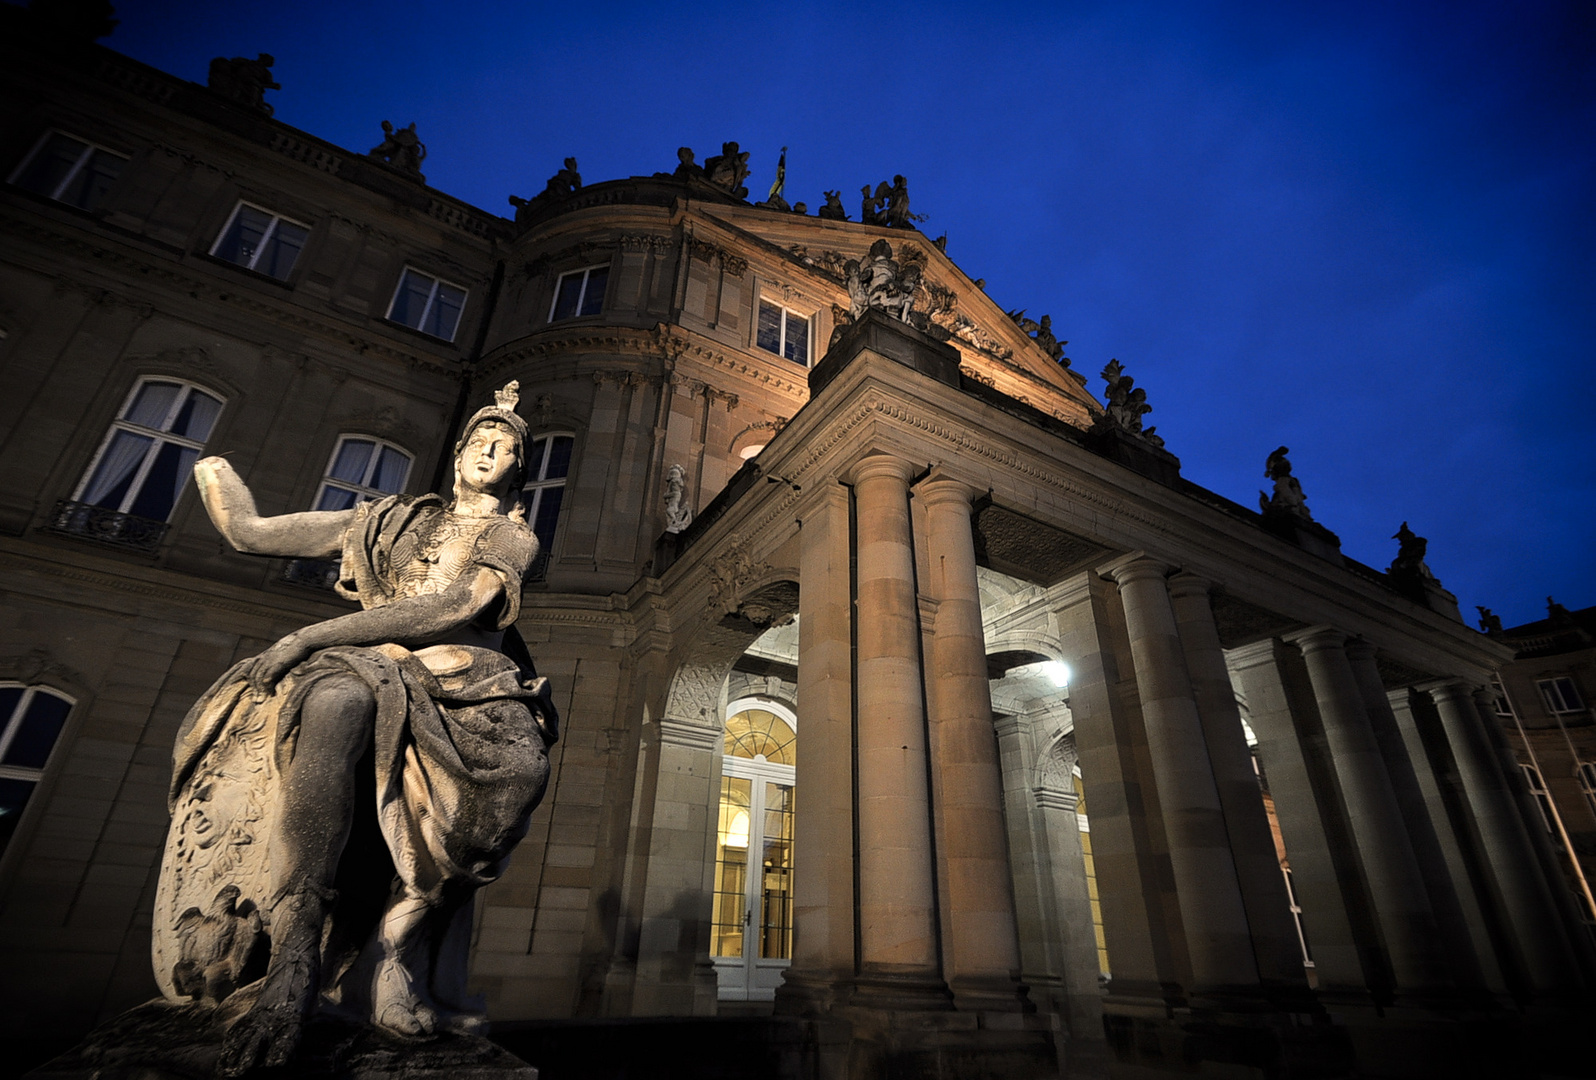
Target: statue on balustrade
pixel 1287 499
pixel 402 148
pixel 244 80
pixel 728 169
pixel 337 800
pixel 1127 404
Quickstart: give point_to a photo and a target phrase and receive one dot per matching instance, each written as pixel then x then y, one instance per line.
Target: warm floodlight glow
pixel 1058 671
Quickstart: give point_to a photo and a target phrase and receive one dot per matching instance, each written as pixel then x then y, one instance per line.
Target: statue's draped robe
pixel 459 757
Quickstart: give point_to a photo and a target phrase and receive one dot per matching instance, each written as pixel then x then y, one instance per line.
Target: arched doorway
pixel 751 930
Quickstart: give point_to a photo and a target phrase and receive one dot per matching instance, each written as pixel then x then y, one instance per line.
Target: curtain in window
pixel 122 459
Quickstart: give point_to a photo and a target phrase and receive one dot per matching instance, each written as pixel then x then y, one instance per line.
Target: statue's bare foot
pixel 397 1006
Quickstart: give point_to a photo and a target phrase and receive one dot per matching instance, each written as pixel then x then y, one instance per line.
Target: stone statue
pixel 565 182
pixel 402 148
pixel 1409 562
pixel 871 210
pixel 244 80
pixel 1287 497
pixel 898 215
pixel 883 283
pixel 678 515
pixel 337 800
pixel 1127 403
pixel 728 169
pixel 1042 334
pixel 832 210
pixel 1490 622
pixel 686 167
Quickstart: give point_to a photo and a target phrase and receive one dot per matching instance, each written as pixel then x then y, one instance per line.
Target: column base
pixel 990 994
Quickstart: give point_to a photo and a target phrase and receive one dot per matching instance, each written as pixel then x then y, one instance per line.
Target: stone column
pixel 823 854
pixel 897 912
pixel 1211 908
pixel 1110 745
pixel 1543 948
pixel 1458 954
pixel 1263 888
pixel 1436 781
pixel 1285 747
pixel 1401 904
pixel 981 954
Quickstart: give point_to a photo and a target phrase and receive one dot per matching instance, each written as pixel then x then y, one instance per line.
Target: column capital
pixel 940 487
pixel 875 466
pixel 1185 583
pixel 1316 639
pixel 1446 690
pixel 1359 649
pixel 1137 566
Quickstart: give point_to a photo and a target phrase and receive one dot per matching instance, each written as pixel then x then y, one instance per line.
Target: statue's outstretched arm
pixel 412 622
pixel 315 534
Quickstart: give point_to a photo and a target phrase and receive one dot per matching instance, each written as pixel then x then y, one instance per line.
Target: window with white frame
pixel 580 292
pixel 1560 695
pixel 31 718
pixel 69 170
pixel 783 332
pixel 151 449
pixel 362 469
pixel 1586 772
pixel 423 302
pixel 262 241
pixel 1543 797
pixel 547 467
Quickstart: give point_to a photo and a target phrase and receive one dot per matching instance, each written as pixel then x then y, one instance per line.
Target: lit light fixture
pixel 1058 671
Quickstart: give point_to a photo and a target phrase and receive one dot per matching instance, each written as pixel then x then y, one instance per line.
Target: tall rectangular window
pixel 425 303
pixel 580 292
pixel 1560 695
pixel 783 332
pixel 133 483
pixel 262 241
pixel 69 170
pixel 547 467
pixel 31 718
pixel 1543 797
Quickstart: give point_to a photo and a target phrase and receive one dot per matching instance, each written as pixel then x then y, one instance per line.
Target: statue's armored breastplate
pixel 430 556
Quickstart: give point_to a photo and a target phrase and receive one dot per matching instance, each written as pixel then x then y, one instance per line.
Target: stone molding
pixel 689 735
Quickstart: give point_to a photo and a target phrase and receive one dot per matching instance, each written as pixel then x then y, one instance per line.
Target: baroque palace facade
pixel 825 532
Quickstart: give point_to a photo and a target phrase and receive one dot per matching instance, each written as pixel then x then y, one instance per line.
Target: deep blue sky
pixel 1365 231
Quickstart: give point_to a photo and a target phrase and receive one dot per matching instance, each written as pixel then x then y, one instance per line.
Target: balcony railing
pixel 106 526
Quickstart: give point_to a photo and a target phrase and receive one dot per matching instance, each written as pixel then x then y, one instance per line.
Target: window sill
pixel 286 284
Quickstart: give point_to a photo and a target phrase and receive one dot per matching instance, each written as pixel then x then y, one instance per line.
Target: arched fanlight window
pixel 362 469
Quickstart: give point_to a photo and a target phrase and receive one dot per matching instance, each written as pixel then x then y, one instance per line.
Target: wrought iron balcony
pixel 106 526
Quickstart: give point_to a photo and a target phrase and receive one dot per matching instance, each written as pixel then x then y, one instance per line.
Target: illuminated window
pixel 580 292
pixel 1091 875
pixel 548 465
pixel 259 240
pixel 424 303
pixel 783 332
pixel 362 469
pixel 751 928
pixel 143 464
pixel 31 718
pixel 1560 695
pixel 69 170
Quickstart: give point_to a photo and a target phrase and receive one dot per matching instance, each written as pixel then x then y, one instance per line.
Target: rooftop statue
pixel 1409 562
pixel 832 210
pixel 898 215
pixel 563 183
pixel 686 167
pixel 1042 334
pixel 872 211
pixel 1287 497
pixel 402 148
pixel 1490 622
pixel 1127 403
pixel 338 800
pixel 244 80
pixel 728 169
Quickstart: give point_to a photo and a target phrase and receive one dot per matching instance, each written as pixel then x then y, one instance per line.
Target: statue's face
pixel 489 459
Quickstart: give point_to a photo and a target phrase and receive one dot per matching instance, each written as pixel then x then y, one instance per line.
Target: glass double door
pixel 752 930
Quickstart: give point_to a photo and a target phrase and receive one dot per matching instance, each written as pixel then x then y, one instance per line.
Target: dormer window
pixel 580 292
